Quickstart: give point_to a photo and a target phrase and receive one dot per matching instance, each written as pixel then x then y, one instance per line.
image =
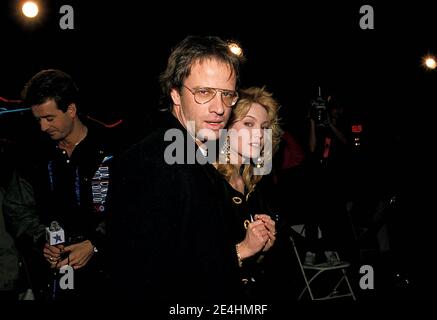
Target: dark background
pixel 117 50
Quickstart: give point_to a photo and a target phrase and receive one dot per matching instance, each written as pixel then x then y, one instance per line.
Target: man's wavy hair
pixel 189 51
pixel 51 84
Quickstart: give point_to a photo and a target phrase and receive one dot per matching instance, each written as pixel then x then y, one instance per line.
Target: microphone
pixel 55 234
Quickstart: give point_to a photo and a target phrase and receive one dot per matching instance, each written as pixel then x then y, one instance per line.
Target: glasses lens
pixel 204 95
pixel 229 98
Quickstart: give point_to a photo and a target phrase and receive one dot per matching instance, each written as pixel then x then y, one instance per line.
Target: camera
pixel 318 111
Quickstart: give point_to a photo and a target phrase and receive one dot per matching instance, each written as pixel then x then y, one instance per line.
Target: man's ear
pixel 176 97
pixel 72 110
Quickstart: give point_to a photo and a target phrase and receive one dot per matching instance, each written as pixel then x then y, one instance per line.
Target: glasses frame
pixel 194 91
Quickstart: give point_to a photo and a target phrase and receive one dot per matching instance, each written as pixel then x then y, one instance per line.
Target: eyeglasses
pixel 204 95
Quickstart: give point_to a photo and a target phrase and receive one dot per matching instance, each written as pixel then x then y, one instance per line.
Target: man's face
pixel 57 124
pixel 212 116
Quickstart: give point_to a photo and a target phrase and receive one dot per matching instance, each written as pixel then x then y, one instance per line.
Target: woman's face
pixel 246 134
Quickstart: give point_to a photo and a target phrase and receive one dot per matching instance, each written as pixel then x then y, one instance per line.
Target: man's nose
pixel 217 106
pixel 43 125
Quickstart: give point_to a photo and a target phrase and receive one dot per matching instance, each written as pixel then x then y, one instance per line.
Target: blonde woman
pixel 253 135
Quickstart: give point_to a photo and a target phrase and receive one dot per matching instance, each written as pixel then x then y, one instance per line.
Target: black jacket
pixel 170 227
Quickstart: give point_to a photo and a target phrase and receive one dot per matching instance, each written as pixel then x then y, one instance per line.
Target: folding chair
pixel 312 273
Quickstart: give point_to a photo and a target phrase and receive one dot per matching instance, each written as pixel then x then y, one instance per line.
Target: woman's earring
pixel 260 160
pixel 226 150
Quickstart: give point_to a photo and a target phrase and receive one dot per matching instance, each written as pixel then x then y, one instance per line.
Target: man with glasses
pixel 169 230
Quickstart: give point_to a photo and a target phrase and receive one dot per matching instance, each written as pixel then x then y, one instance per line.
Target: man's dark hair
pixel 51 84
pixel 189 51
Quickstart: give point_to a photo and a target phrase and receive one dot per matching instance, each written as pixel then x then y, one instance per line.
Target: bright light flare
pixel 235 49
pixel 430 63
pixel 30 9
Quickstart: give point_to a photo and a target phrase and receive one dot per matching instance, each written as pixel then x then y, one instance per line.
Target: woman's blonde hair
pixel 248 97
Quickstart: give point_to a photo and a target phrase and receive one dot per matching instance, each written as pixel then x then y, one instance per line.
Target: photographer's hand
pixel 78 254
pixel 328 123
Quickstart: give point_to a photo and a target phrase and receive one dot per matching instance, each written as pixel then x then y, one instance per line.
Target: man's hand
pixel 78 254
pixel 53 253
